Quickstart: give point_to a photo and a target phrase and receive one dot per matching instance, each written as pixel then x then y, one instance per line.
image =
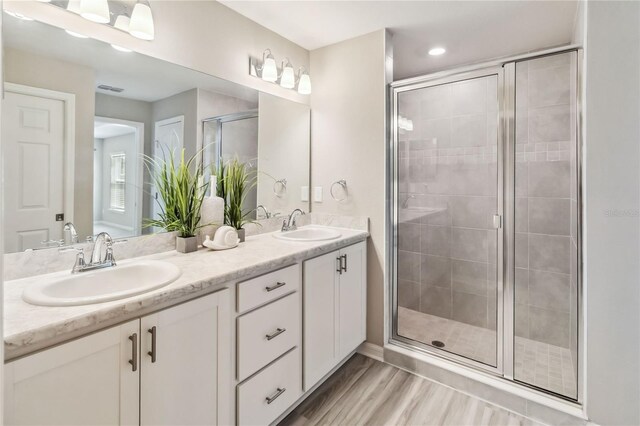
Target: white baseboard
pixel 371 350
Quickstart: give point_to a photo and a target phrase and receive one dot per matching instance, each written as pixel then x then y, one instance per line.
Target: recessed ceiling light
pixel 74 34
pixel 437 51
pixel 120 48
pixel 18 15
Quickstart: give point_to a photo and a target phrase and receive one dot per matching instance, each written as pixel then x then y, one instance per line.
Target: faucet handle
pixel 284 226
pixel 80 263
pixel 108 257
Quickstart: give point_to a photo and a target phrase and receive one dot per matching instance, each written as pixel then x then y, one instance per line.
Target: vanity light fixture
pixel 95 10
pixel 141 23
pixel 74 6
pixel 122 23
pixel 304 82
pixel 287 78
pixel 267 70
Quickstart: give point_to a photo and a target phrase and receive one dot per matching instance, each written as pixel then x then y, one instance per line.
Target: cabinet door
pixel 186 363
pixel 88 381
pixel 352 314
pixel 320 344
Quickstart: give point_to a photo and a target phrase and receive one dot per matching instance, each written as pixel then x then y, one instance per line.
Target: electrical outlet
pixel 304 193
pixel 317 194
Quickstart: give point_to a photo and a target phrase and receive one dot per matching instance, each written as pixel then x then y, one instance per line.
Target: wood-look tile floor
pixel 368 392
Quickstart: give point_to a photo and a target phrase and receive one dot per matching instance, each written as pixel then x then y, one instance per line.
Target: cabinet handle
pixel 276 333
pixel 134 352
pixel 339 260
pixel 344 268
pixel 275 286
pixel 275 396
pixel 152 352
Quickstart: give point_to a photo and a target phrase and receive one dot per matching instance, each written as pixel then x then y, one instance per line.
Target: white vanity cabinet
pixel 334 309
pixel 121 376
pixel 185 367
pixel 88 381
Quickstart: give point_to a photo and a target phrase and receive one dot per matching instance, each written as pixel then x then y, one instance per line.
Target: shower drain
pixel 437 343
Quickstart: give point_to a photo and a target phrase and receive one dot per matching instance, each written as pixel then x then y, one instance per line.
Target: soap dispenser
pixel 212 210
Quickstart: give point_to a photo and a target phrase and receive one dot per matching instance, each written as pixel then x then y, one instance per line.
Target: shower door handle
pixel 497 221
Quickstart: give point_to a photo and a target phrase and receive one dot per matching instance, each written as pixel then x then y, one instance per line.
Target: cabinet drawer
pixel 267 333
pixel 268 287
pixel 268 394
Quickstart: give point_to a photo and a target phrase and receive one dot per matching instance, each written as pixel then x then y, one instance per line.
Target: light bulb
pixel 304 85
pixel 436 51
pixel 269 68
pixel 287 79
pixel 141 22
pixel 95 10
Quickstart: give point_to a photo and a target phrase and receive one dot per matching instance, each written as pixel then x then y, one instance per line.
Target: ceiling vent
pixel 110 88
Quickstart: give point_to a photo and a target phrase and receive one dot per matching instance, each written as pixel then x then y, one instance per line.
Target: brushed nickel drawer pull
pixel 339 260
pixel 152 352
pixel 276 286
pixel 344 268
pixel 275 396
pixel 134 352
pixel 276 333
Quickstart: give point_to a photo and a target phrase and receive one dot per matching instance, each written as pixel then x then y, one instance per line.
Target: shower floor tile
pixel 540 364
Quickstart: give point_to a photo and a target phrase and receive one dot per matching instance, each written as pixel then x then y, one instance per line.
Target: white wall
pixel 283 150
pixel 202 35
pixel 612 230
pixel 348 142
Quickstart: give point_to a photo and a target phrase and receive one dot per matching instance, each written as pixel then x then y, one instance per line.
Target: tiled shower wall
pixel 447 197
pixel 546 206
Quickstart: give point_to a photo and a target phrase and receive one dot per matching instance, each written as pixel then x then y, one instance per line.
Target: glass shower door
pixel 447 214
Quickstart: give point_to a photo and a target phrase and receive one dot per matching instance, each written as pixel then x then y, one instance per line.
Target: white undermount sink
pixel 309 233
pixel 101 285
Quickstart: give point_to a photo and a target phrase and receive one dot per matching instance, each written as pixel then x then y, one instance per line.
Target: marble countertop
pixel 28 328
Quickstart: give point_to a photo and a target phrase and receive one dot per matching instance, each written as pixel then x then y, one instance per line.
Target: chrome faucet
pixel 290 225
pixel 97 262
pixel 267 215
pixel 72 231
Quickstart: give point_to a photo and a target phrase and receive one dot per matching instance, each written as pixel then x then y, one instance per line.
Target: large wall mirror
pixel 80 115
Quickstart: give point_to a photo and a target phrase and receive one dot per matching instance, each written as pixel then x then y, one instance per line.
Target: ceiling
pixel 103 130
pixel 471 31
pixel 142 77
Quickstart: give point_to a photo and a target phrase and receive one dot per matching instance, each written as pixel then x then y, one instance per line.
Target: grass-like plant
pixel 235 185
pixel 182 191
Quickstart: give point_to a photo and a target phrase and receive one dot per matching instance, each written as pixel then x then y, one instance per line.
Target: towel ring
pixel 280 187
pixel 343 184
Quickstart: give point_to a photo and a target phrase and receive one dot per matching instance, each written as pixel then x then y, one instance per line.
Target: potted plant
pixel 181 191
pixel 235 185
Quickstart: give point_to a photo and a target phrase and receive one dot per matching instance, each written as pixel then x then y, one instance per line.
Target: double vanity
pixel 237 337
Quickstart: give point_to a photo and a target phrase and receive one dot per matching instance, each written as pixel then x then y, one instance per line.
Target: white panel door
pixel 33 145
pixel 168 141
pixel 186 363
pixel 352 298
pixel 88 381
pixel 320 329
